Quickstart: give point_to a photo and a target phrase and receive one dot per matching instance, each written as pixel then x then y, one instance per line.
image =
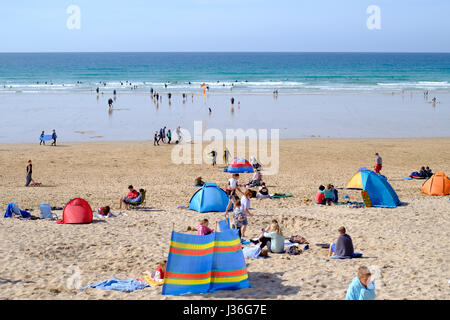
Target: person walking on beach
pixel 179 133
pixel 156 140
pixel 232 101
pixel 226 156
pixel 29 174
pixel 54 136
pixel 110 103
pixel 379 163
pixel 169 136
pixel 42 138
pixel 214 156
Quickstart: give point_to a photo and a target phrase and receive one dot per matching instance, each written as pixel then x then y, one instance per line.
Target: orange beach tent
pixel 437 185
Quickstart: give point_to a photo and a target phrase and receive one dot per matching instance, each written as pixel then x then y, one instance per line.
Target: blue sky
pixel 225 25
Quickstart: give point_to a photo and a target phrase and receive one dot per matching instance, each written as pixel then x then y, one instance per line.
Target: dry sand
pixel 408 244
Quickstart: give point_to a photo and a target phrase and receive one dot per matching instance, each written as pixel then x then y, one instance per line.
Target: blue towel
pixel 355 255
pixel 251 252
pixel 13 209
pixel 118 285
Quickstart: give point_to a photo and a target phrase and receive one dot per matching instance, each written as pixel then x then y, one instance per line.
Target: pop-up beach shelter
pixel 77 211
pixel 437 185
pixel 203 264
pixel 380 192
pixel 210 198
pixel 240 166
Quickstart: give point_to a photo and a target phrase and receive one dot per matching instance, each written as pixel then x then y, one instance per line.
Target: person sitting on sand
pixel 429 172
pixel 343 246
pixel 320 195
pixel 272 237
pixel 132 197
pixel 256 179
pixel 335 198
pixel 159 273
pixel 328 195
pixel 422 172
pixel 263 192
pixel 361 288
pixel 199 182
pixel 104 211
pixel 203 229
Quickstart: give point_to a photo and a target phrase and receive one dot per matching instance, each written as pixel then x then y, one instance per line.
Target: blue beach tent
pixel 380 192
pixel 210 198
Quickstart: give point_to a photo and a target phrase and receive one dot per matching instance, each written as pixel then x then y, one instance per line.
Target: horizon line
pixel 407 52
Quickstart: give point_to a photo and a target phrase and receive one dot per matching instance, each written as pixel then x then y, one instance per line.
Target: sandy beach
pixel 409 244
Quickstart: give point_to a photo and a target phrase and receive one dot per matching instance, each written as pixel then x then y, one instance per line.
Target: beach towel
pixel 13 209
pixel 355 255
pixel 407 178
pixel 129 285
pixel 252 252
pixel 152 282
pixel 277 195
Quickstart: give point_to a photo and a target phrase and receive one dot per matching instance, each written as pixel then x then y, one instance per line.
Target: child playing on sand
pixel 320 195
pixel 203 229
pixel 233 185
pixel 361 288
pixel 160 270
pixel 379 163
pixel 239 217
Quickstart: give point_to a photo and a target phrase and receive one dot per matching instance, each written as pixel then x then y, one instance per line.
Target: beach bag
pixel 292 250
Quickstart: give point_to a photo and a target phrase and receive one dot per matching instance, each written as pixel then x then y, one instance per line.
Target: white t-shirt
pixel 245 203
pixel 233 183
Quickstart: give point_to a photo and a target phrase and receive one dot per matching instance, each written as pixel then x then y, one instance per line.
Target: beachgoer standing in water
pixel 110 103
pixel 232 100
pixel 379 163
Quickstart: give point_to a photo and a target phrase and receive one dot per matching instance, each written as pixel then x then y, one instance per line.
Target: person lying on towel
pixel 361 288
pixel 343 246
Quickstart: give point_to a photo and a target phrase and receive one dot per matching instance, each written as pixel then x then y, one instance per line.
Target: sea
pixel 318 94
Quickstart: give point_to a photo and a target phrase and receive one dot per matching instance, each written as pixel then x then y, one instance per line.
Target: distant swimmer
pixel 115 92
pixel 165 85
pixel 169 95
pixel 98 90
pixel 210 111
